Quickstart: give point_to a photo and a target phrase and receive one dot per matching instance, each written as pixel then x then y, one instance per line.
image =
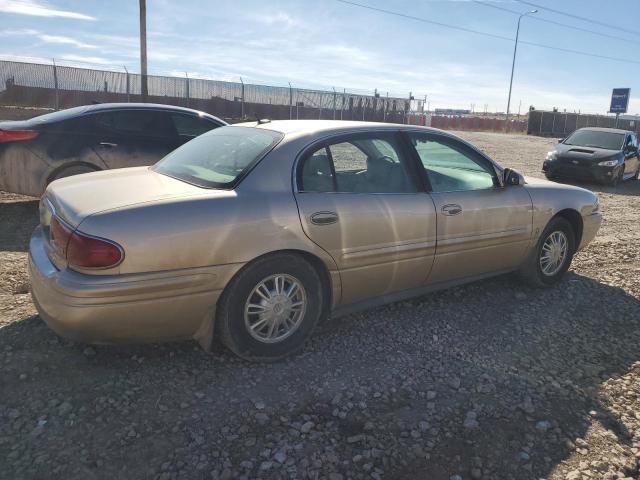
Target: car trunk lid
pixel 74 198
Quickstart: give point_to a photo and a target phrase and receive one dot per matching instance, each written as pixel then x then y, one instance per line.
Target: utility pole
pixel 143 50
pixel 513 64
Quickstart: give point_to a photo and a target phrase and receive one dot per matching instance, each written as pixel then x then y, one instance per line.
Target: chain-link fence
pixel 56 87
pixel 560 124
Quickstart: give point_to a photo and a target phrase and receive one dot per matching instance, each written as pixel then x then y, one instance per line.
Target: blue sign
pixel 620 100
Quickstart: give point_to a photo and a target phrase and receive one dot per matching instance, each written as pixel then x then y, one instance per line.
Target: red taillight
pixel 91 252
pixel 16 135
pixel 81 250
pixel 59 235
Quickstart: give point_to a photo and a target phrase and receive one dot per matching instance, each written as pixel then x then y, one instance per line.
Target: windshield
pixel 217 159
pixel 596 139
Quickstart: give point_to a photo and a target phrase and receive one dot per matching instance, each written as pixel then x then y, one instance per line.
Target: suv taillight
pixel 82 250
pixel 16 135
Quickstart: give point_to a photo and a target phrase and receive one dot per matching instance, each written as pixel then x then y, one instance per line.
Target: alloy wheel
pixel 275 308
pixel 554 253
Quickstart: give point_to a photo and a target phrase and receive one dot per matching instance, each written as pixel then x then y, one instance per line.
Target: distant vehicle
pixel 85 139
pixel 255 232
pixel 605 155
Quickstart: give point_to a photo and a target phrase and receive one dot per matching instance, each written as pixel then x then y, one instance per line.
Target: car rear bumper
pixel 154 306
pixel 592 173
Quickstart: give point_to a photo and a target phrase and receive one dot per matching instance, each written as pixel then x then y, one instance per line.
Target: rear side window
pixel 190 125
pixel 218 158
pixel 364 164
pixel 136 122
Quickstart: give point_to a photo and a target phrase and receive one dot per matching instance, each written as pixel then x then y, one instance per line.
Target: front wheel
pixel 269 310
pixel 553 255
pixel 617 178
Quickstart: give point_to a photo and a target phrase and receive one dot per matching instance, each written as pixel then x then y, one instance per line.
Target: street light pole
pixel 143 50
pixel 513 64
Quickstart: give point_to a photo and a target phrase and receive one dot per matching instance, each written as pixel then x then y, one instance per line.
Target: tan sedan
pixel 253 233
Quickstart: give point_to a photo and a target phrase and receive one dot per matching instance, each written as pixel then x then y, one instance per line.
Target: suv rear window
pixel 220 157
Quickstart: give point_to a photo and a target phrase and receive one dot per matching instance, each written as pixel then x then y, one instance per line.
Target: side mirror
pixel 512 178
pixel 560 140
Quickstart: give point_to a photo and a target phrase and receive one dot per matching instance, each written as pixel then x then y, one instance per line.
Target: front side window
pixel 218 158
pixel 372 164
pixel 451 168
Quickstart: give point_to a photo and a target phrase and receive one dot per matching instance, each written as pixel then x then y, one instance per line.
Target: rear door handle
pixel 324 218
pixel 451 209
pixel 108 144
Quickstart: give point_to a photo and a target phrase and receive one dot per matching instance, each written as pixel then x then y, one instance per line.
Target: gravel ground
pixel 488 381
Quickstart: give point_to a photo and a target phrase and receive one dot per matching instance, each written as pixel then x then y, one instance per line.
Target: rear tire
pixel 71 170
pixel 548 263
pixel 270 309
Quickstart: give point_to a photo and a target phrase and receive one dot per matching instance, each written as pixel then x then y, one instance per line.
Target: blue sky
pixel 325 43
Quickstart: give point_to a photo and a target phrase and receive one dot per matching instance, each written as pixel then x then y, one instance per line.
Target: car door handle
pixel 108 144
pixel 451 209
pixel 324 218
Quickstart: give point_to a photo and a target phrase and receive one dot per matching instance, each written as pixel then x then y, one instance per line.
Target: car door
pixel 482 227
pixel 359 200
pixel 132 138
pixel 630 150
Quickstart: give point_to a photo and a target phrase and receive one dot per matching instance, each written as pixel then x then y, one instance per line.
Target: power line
pixel 424 20
pixel 486 34
pixel 565 25
pixel 577 17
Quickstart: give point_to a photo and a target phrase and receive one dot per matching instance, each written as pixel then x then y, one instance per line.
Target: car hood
pixel 575 152
pixel 75 198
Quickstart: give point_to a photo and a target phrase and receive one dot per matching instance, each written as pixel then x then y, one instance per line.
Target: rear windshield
pixel 596 139
pixel 218 158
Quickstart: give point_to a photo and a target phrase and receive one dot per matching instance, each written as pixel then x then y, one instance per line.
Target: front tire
pixel 270 309
pixel 618 178
pixel 552 257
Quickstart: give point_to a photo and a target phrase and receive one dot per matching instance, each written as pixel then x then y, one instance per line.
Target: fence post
pixel 541 118
pixel 242 100
pixel 334 102
pixel 344 97
pixel 564 130
pixel 290 102
pixel 364 102
pixel 128 91
pixel 186 75
pixel 384 110
pixel 553 124
pixel 55 84
pixel 297 104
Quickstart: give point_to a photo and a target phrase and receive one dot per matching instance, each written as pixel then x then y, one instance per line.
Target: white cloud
pixel 52 39
pixel 279 18
pixel 60 39
pixel 85 59
pixel 38 9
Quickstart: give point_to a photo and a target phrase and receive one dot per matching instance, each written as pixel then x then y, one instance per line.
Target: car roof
pixel 604 129
pixel 291 127
pixel 145 106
